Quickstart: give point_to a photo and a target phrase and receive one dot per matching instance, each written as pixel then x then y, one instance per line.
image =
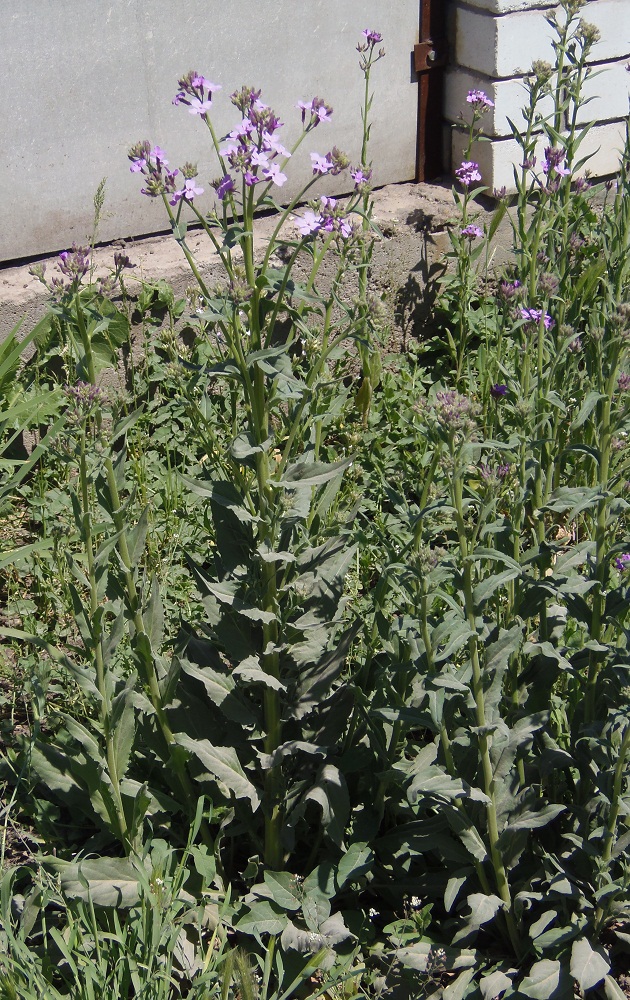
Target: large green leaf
pixel 589 965
pixel 223 763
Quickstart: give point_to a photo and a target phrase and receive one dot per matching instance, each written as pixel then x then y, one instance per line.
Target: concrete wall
pixel 495 43
pixel 83 80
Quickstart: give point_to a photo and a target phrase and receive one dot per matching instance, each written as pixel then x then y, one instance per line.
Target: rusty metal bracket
pixel 429 55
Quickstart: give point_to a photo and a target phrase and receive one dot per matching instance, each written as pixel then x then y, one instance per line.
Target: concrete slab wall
pixel 495 43
pixel 83 80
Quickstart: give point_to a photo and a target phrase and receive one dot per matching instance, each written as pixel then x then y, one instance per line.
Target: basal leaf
pixel 111 882
pixel 589 965
pixel 543 980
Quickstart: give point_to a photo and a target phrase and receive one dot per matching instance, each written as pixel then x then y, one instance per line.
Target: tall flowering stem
pixel 252 160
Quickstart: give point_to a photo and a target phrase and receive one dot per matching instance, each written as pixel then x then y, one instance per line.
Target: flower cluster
pixel 498 390
pixel 317 110
pixel 468 173
pixel 534 316
pixel 151 162
pixel 623 382
pixel 332 163
pixel 74 263
pixel 195 91
pixel 479 100
pixel 324 217
pixel 494 474
pixel 455 413
pixel 555 162
pixel 83 397
pixel 623 561
pixel 367 48
pixel 472 232
pixel 509 289
pixel 252 148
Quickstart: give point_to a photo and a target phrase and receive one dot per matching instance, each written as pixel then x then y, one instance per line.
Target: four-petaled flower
pixel 321 164
pixel 622 562
pixel 498 391
pixel 372 37
pixel 189 191
pixel 224 187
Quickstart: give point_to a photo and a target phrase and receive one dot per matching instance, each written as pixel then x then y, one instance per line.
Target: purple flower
pixel 623 382
pixel 224 187
pixel 321 110
pixel 509 289
pixel 203 84
pixel 273 173
pixel 271 144
pixel 360 177
pixel 553 160
pixel 535 316
pixel 308 223
pixel 250 178
pixel 468 173
pixel 317 110
pixel 498 391
pixel 74 263
pixel 479 100
pixel 472 232
pixel 372 37
pixel 321 164
pixel 623 561
pixel 198 107
pixel 496 474
pixel 188 192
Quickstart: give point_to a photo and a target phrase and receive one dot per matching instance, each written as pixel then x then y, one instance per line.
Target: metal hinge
pixel 429 54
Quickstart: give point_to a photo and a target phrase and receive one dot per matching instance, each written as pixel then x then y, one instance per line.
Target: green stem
pixel 500 874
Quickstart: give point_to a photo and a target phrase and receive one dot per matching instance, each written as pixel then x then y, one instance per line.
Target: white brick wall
pixel 496 42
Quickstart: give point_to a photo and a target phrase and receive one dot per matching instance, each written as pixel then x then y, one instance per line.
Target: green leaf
pixel 224 764
pixel 331 794
pixel 111 882
pixel 591 400
pixel 543 980
pixel 488 587
pixel 244 447
pixel 494 984
pixel 357 861
pixel 588 965
pixel 305 473
pixel 283 888
pixel 459 987
pixel 613 989
pixel 262 918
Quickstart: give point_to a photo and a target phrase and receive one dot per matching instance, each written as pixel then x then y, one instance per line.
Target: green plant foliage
pixel 324 653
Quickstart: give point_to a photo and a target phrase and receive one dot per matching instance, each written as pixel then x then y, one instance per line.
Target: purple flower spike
pixel 498 391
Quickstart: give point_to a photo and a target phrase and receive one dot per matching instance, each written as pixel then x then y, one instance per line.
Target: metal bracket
pixel 429 55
